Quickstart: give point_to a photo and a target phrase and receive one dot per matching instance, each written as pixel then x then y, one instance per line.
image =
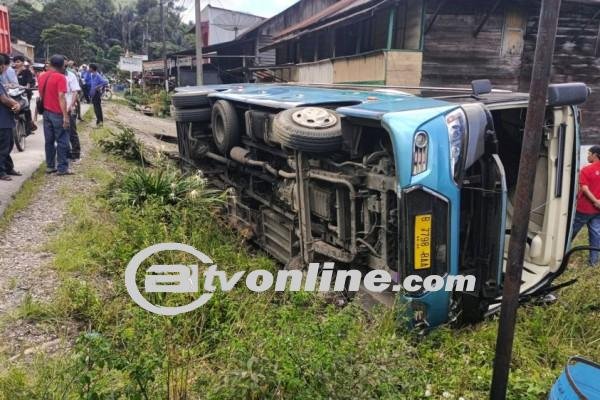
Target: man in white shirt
pixel 72 96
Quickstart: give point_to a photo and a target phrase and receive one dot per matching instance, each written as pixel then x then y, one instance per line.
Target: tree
pixel 26 23
pixel 70 40
pixel 91 28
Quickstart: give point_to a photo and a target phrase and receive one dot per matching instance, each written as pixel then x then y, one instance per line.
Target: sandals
pixel 5 178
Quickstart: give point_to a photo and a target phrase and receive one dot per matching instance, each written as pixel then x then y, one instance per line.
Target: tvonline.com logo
pixel 181 278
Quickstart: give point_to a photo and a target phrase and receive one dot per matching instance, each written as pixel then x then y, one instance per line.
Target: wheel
pixel 192 99
pixel 225 126
pixel 19 133
pixel 191 115
pixel 311 129
pixel 107 94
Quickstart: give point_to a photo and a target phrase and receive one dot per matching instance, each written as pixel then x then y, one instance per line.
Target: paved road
pixel 26 162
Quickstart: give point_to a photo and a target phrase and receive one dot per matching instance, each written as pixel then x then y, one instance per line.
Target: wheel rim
pixel 314 117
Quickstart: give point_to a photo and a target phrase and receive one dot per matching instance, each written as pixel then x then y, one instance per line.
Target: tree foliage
pixel 71 39
pixel 98 30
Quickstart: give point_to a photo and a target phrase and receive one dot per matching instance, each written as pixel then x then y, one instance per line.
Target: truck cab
pixel 415 181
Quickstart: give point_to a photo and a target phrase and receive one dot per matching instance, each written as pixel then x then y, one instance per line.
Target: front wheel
pixel 107 94
pixel 19 134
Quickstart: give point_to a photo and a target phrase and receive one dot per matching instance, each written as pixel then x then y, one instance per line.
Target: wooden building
pixel 434 43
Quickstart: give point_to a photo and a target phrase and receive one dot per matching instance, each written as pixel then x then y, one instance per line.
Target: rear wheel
pixel 19 134
pixel 225 126
pixel 312 129
pixel 193 99
pixel 191 115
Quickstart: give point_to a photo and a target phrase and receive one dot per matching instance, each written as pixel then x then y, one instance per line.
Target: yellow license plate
pixel 423 241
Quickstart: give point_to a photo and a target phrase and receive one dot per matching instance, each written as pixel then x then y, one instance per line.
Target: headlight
pixel 456 122
pixel 420 149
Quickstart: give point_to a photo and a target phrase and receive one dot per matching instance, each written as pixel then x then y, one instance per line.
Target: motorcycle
pixel 22 128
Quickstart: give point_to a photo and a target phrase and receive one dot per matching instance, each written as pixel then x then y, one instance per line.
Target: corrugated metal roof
pixel 349 12
pixel 328 12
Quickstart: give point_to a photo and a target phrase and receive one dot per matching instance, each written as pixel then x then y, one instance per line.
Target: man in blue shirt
pixel 9 77
pixel 86 79
pixel 7 122
pixel 97 83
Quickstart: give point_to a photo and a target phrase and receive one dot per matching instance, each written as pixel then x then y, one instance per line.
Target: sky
pixel 264 8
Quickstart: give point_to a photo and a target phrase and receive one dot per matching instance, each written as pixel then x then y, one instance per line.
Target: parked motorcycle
pixel 22 128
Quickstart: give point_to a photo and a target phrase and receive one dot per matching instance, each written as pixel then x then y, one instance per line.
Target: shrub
pixel 163 187
pixel 124 144
pixel 137 97
pixel 161 103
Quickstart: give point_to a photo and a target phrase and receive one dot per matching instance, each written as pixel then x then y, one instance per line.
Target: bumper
pixel 425 250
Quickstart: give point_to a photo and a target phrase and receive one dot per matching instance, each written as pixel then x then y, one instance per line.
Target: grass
pixel 261 346
pixel 24 196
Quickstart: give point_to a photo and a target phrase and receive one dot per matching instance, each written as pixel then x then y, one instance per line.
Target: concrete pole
pixel 199 74
pixel 530 148
pixel 164 44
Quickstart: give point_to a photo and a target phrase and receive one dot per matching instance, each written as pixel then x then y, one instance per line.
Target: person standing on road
pixel 7 122
pixel 588 202
pixel 53 89
pixel 9 76
pixel 72 97
pixel 26 80
pixel 97 83
pixel 86 79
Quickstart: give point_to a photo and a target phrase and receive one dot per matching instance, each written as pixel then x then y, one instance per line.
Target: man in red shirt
pixel 52 89
pixel 588 202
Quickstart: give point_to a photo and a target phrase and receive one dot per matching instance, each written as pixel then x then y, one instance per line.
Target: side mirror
pixel 481 86
pixel 563 94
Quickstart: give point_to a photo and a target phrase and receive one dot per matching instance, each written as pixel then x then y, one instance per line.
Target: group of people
pixel 59 85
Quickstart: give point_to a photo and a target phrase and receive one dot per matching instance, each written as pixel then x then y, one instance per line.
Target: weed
pixel 160 104
pixel 124 143
pixel 163 187
pixel 33 310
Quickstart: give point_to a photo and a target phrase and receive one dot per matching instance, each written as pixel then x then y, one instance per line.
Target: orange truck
pixel 5 46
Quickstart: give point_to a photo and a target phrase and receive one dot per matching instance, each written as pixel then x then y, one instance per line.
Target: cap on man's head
pixel 595 150
pixel 57 61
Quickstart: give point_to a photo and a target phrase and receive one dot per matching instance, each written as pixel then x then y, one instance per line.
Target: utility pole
pixel 164 44
pixel 199 74
pixel 532 138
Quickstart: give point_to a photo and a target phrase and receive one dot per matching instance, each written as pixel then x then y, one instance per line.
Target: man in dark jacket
pixel 7 122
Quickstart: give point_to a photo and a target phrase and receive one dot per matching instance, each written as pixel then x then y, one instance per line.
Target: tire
pixel 311 139
pixel 193 99
pixel 191 115
pixel 225 126
pixel 19 133
pixel 107 94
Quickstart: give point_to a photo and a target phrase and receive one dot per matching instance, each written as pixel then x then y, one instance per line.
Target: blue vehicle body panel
pixel 437 177
pixel 355 103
